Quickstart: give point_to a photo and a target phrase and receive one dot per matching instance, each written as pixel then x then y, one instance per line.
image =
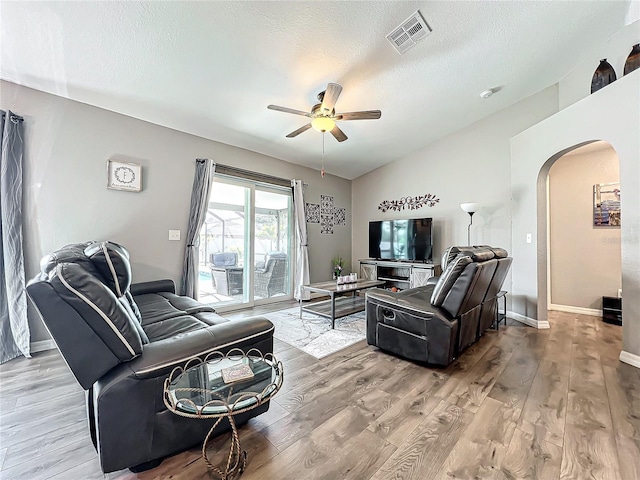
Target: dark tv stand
pixel 401 274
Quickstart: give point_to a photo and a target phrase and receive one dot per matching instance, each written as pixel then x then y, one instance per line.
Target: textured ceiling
pixel 211 68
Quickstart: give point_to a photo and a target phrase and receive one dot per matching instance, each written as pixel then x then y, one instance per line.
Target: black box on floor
pixel 612 310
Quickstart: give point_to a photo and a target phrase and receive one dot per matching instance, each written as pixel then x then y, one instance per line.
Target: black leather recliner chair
pixel 121 341
pixel 434 323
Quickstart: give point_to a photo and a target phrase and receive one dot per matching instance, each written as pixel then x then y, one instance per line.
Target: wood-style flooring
pixel 520 404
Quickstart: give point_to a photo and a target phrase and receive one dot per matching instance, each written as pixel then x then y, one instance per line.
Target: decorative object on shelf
pixel 124 176
pixel 410 203
pixel 606 205
pixel 338 264
pixel 312 211
pixel 470 208
pixel 603 76
pixel 633 60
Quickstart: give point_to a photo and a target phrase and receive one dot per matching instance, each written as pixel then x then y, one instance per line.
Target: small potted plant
pixel 338 263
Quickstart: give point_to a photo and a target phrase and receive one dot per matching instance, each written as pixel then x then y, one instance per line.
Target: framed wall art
pixel 124 176
pixel 606 204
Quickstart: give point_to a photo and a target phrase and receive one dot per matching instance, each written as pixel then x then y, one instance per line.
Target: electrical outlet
pixel 174 235
pixel 528 238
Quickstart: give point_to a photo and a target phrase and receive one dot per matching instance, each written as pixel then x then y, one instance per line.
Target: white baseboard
pixel 630 358
pixel 42 346
pixel 532 322
pixel 579 310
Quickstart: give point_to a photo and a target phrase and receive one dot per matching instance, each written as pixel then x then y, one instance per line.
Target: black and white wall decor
pixel 312 211
pixel 326 214
pixel 326 204
pixel 326 224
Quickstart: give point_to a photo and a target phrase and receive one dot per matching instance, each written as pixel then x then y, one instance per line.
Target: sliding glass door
pixel 245 244
pixel 272 240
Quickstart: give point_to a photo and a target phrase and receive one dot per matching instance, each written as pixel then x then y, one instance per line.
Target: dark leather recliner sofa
pixel 436 322
pixel 121 341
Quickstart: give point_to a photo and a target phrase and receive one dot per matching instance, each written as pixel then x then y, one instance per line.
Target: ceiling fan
pixel 323 115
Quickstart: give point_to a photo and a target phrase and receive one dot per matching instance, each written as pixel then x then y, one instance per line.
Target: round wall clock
pixel 124 176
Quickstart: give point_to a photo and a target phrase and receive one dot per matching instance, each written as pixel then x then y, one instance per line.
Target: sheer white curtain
pixel 14 326
pixel 302 257
pixel 202 182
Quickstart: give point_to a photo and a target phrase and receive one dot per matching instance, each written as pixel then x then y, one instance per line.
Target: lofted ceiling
pixel 211 68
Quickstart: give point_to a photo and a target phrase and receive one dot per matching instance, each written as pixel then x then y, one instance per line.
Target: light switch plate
pixel 528 238
pixel 174 235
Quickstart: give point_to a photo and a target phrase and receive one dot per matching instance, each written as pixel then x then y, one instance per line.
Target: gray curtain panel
pixel 14 327
pixel 200 194
pixel 302 257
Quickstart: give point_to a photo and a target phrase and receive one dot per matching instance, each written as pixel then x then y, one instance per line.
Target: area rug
pixel 313 334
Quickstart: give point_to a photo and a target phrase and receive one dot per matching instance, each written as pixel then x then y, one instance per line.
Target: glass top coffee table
pixel 220 387
pixel 338 304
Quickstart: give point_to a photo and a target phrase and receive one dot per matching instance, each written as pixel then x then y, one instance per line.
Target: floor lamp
pixel 470 208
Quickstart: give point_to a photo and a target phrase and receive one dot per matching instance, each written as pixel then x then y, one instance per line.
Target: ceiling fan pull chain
pixel 322 171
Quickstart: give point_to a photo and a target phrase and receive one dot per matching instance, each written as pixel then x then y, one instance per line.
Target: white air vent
pixel 412 30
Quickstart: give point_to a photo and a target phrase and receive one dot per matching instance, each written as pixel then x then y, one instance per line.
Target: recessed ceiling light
pixel 487 93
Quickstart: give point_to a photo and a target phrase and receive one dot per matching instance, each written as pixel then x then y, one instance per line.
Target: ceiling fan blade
pixel 368 115
pixel 339 134
pixel 297 132
pixel 288 110
pixel 330 98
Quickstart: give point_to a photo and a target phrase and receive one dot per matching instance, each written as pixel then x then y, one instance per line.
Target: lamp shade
pixel 323 124
pixel 470 207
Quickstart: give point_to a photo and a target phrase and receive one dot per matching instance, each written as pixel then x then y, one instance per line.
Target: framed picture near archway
pixel 606 205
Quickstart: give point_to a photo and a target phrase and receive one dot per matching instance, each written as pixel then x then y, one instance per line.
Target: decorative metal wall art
pixel 326 214
pixel 313 212
pixel 603 76
pixel 410 203
pixel 633 60
pixel 326 224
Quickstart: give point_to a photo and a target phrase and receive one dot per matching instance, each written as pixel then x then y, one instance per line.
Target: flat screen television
pixel 408 239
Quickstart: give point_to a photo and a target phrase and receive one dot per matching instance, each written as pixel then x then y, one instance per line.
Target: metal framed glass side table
pixel 221 386
pixel 500 316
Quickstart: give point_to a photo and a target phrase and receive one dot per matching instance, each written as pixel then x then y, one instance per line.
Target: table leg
pixel 300 300
pixel 333 311
pixel 237 459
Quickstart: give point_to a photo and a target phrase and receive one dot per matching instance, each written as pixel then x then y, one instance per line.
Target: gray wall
pixel 584 260
pixel 66 199
pixel 471 165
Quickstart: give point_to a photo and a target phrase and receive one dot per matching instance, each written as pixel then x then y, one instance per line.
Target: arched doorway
pixel 602 116
pixel 579 261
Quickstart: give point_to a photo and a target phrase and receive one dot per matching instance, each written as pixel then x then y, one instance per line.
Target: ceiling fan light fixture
pixel 323 124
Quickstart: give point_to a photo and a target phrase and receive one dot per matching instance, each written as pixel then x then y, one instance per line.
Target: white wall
pixel 577 84
pixel 612 115
pixel 67 145
pixel 471 165
pixel 584 260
